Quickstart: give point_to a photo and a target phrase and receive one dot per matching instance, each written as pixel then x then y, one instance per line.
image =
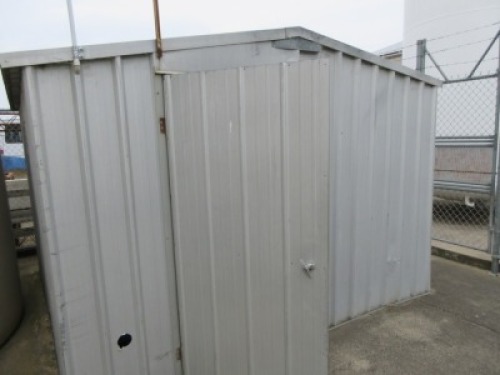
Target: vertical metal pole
pixel 159 49
pixel 421 51
pixel 76 50
pixel 495 245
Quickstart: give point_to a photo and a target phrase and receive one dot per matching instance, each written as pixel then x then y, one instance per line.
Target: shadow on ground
pixel 454 330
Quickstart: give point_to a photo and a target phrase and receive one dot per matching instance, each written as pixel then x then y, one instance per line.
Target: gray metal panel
pixel 224 39
pixel 93 146
pixel 382 137
pixel 353 52
pixel 306 135
pixel 248 154
pixel 224 57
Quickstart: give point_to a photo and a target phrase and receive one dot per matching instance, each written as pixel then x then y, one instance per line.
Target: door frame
pixel 171 266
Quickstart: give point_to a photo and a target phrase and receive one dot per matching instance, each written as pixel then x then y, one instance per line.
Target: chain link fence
pixel 16 180
pixel 464 164
pixel 466 204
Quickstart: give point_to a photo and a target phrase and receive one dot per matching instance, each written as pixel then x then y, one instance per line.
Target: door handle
pixel 308 267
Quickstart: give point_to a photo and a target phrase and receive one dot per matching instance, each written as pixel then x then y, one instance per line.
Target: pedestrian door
pixel 248 156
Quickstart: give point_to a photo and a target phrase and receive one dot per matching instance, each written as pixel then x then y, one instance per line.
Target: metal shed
pixel 218 208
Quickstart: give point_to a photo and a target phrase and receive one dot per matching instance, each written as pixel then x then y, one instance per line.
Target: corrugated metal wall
pixel 382 147
pixel 101 192
pixel 249 171
pixel 93 147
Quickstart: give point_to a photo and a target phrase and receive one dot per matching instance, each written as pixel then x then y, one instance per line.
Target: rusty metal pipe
pixel 156 10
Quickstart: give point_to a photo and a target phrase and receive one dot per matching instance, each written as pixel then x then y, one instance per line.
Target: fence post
pixel 421 51
pixel 495 244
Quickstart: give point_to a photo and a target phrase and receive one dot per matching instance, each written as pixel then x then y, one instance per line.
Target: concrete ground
pixel 474 236
pixel 454 330
pixel 30 351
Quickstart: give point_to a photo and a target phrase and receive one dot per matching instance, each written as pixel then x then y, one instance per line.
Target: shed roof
pixel 11 63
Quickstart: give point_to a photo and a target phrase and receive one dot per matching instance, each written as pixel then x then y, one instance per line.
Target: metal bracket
pixel 163 125
pixel 178 354
pixel 297 43
pixel 168 72
pixel 77 56
pixel 78 53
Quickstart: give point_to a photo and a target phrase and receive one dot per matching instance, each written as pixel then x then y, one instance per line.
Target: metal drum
pixel 11 302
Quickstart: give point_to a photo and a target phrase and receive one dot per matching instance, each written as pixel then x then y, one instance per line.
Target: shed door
pixel 248 154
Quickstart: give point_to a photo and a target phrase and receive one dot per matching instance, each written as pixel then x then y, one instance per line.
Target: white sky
pixel 28 24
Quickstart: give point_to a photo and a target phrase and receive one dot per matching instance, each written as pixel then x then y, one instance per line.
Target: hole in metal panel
pixel 124 340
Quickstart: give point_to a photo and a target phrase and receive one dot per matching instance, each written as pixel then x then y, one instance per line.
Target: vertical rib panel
pixel 245 203
pixel 63 214
pixel 150 255
pixel 380 144
pixel 390 128
pixel 210 218
pixel 186 150
pixel 426 177
pixel 223 141
pixel 110 198
pixel 285 196
pixel 158 328
pixel 265 223
pixel 367 234
pixel 395 240
pixel 46 238
pixel 342 199
pixel 410 189
pixel 415 255
pixel 176 218
pixel 308 134
pixel 402 191
pixel 250 200
pixel 129 205
pixel 359 157
pixel 90 209
pixel 379 187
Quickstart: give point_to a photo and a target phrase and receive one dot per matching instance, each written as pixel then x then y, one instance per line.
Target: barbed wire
pixel 462 45
pixel 463 62
pixel 463 32
pixel 454 34
pixel 453 47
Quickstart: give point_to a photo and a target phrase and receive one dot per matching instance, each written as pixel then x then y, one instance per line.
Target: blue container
pixel 10 163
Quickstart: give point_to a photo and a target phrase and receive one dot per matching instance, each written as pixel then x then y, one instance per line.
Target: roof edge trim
pixel 91 52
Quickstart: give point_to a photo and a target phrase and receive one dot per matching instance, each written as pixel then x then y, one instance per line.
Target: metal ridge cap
pixel 95 51
pixel 359 53
pixel 65 54
pixel 223 39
